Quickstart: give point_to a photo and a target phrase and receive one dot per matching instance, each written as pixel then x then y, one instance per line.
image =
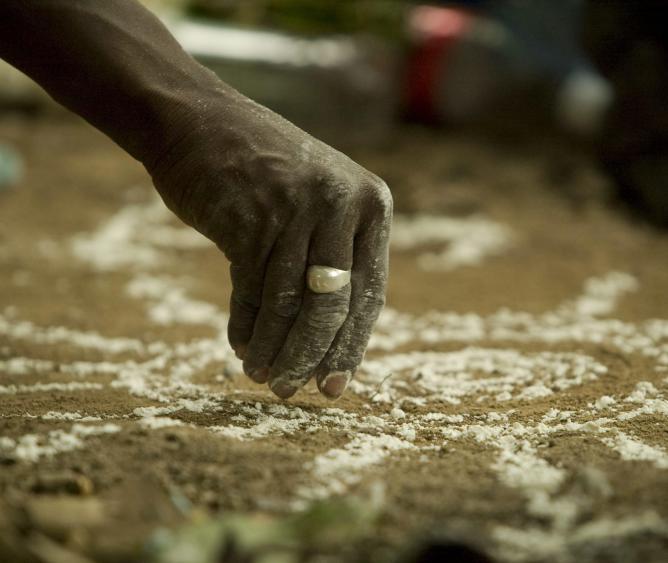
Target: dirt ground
pixel 514 399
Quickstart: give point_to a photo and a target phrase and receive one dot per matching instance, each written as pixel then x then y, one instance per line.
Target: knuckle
pixel 371 302
pixel 329 313
pixel 336 197
pixel 380 198
pixel 289 200
pixel 285 304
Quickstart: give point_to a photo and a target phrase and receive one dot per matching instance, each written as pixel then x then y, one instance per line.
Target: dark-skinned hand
pixel 275 200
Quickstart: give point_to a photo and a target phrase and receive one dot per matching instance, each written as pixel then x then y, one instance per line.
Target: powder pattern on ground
pixel 514 388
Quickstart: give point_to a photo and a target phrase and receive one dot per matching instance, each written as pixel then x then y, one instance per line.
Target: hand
pixel 275 201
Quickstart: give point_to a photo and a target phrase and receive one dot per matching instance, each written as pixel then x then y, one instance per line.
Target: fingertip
pixel 260 375
pixel 240 351
pixel 282 389
pixel 333 385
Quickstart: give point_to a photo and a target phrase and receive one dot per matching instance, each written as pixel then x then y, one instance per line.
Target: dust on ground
pixel 514 396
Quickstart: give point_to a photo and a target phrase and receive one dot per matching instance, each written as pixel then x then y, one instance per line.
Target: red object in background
pixel 434 31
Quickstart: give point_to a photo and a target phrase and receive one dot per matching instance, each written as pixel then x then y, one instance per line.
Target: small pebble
pixel 397 413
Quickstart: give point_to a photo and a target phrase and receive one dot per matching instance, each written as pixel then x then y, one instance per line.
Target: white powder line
pixel 25 366
pixel 467 241
pixel 58 415
pixel 452 376
pixel 338 469
pixel 31 366
pixel 70 416
pixel 573 321
pixel 601 295
pixel 135 237
pixel 168 303
pixel 158 422
pixel 632 449
pixel 27 331
pixel 32 447
pixel 47 387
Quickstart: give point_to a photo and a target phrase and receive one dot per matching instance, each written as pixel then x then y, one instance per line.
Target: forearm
pixel 113 63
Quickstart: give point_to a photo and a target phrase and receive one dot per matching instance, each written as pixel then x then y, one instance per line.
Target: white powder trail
pixel 113 246
pixel 69 416
pixel 25 366
pixel 169 304
pixel 338 469
pixel 157 422
pixel 600 296
pixel 32 447
pixel 47 387
pixel 467 241
pixel 451 376
pixel 27 331
pixel 519 466
pixel 134 238
pixel 281 420
pixel 32 366
pixel 573 321
pixel 634 450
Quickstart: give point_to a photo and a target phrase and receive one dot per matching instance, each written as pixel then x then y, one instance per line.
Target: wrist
pixel 176 116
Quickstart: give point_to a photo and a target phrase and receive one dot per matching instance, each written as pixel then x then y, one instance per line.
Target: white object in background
pixel 583 101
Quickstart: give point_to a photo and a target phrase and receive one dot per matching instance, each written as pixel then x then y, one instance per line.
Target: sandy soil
pixel 514 398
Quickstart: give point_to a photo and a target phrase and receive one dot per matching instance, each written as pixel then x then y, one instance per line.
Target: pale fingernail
pixel 240 351
pixel 260 375
pixel 335 384
pixel 282 389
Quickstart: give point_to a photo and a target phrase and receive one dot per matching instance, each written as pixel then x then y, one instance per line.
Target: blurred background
pixel 364 74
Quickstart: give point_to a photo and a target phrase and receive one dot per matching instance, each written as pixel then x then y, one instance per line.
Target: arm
pixel 274 199
pixel 111 62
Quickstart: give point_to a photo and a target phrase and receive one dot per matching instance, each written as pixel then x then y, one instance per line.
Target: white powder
pixel 631 449
pixel 27 331
pixel 25 366
pixel 604 402
pixel 7 443
pixel 642 390
pixel 137 236
pixel 571 321
pixel 69 416
pixel 407 432
pixel 601 295
pixel 450 376
pixel 32 447
pixel 467 241
pixel 439 416
pixel 47 387
pixel 266 427
pixel 169 304
pixel 156 422
pixel 650 407
pixel 338 469
pixel 152 412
